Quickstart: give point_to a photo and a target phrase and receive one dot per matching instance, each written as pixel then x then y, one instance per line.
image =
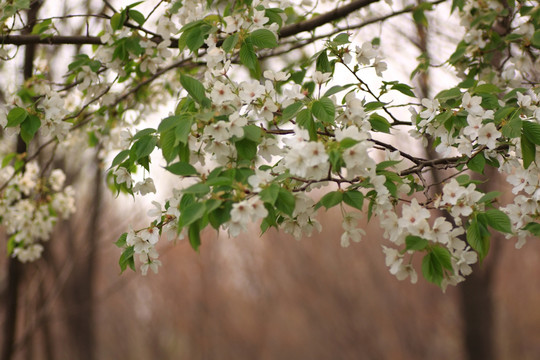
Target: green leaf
pixel 347 143
pixel 168 145
pixel 443 256
pixel 270 194
pixel 182 169
pixel 498 221
pixel 117 20
pixel 221 215
pixel 432 269
pixel 531 130
pixel 415 243
pixel 131 6
pixel 285 202
pixel 7 159
pixel 194 235
pixel 459 4
pixel 536 39
pixel 194 37
pixel 449 94
pixel 11 244
pixel 143 133
pixel 512 128
pixel 274 16
pixel 193 87
pixel 324 110
pixel 419 17
pixel 263 39
pixel 459 53
pixel 246 149
pixel 341 39
pixel 354 198
pixel 305 121
pixel 386 164
pixel 404 89
pixel 29 128
pixel 190 214
pixel 230 42
pixel 168 123
pixel 435 263
pixel 121 242
pixel 379 123
pixel 331 199
pixel 533 228
pixel 16 116
pixel 336 89
pixel 122 155
pixel 248 57
pixel 489 197
pixel 478 238
pixel 144 146
pixel 252 133
pixel 487 88
pixel 137 16
pixel 373 105
pixel 477 163
pixel 528 151
pixel 126 259
pixel 41 27
pixel 211 205
pixel 198 188
pixel 322 64
pixel 183 129
pixel 291 110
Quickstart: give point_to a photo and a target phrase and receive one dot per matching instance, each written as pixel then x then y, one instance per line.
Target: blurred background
pixel 260 298
pixel 252 297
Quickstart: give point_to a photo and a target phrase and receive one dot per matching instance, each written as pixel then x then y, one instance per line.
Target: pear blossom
pixel 488 135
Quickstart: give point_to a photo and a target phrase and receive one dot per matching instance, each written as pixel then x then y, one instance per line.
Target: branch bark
pixel 286 31
pixel 325 18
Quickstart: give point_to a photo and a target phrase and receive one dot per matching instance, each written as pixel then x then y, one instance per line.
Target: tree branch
pixel 52 40
pixel 325 18
pixel 286 31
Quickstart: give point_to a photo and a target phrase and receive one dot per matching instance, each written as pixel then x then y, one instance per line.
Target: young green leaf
pixel 126 259
pixel 285 202
pixel 498 220
pixel 29 127
pixel 182 169
pixel 330 200
pixel 324 110
pixel 478 238
pixel 354 198
pixel 193 87
pixel 16 116
pixel 528 151
pixel 190 214
pixel 533 228
pixel 263 39
pixel 531 130
pixel 121 242
pixel 415 243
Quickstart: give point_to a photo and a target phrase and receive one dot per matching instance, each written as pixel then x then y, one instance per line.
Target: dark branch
pixel 52 40
pixel 286 31
pixel 325 18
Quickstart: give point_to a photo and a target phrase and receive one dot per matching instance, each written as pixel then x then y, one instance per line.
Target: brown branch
pixel 286 31
pixel 325 18
pixel 51 40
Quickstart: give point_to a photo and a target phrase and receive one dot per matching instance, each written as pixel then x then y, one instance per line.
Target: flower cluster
pixel 30 207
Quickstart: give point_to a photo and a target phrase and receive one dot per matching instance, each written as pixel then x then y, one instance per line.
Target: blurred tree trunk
pixel 79 296
pixel 14 269
pixel 476 293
